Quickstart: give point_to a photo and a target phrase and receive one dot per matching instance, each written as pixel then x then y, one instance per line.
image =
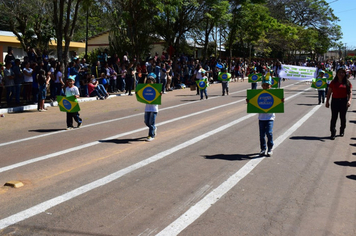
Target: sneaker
pixel 262 153
pixel 270 153
pixel 149 139
pixel 69 128
pixel 43 110
pixel 79 124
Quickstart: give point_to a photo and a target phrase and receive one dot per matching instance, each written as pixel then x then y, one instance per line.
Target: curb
pixel 51 104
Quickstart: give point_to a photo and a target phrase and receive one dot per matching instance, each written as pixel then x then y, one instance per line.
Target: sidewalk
pixel 48 104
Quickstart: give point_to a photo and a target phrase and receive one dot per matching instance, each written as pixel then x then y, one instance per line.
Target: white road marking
pixel 203 205
pixel 42 207
pixel 108 121
pixel 46 157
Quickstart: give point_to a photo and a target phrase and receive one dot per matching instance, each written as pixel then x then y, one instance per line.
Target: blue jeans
pixel 121 84
pixel 253 85
pixel 203 91
pixel 150 121
pixel 10 93
pixel 321 96
pixel 17 92
pixel 266 128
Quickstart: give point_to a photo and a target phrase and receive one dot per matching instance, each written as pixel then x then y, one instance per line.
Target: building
pixel 8 39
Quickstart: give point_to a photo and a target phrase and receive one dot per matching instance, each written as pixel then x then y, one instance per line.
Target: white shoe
pixel 270 153
pixel 149 139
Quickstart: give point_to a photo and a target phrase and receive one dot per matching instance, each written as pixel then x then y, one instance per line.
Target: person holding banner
pixel 151 111
pixel 321 91
pixel 340 91
pixel 72 90
pixel 202 84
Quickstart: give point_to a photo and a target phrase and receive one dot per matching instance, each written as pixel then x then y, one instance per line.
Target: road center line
pixel 203 205
pixel 112 120
pixel 42 207
pixel 46 157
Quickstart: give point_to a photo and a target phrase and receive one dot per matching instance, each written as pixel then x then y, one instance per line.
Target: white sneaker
pixel 270 153
pixel 149 139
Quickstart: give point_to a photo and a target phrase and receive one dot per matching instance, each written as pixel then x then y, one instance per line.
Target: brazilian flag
pixel 328 75
pixel 275 82
pixel 265 101
pixel 319 83
pixel 149 93
pixel 253 78
pixel 202 84
pixel 224 76
pixel 68 104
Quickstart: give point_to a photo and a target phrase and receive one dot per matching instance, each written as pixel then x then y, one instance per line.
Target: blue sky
pixel 345 10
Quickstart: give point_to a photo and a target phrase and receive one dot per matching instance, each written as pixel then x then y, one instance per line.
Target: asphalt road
pixel 200 176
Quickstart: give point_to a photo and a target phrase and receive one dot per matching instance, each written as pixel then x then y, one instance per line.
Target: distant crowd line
pixel 35 79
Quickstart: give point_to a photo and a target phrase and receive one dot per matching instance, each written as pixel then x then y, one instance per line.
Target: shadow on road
pixel 122 141
pixel 346 163
pixel 351 177
pixel 45 130
pixel 310 138
pixel 233 157
pixel 309 105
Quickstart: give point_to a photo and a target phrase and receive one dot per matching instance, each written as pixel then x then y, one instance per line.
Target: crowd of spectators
pixel 114 74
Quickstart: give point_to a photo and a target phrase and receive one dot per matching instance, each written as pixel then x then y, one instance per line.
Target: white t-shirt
pixel 26 78
pixel 72 91
pixel 266 116
pixel 151 108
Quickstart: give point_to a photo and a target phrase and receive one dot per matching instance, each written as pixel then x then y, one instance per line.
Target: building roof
pixel 9 37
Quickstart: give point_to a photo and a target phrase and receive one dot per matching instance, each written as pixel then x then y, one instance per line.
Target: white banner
pixel 297 72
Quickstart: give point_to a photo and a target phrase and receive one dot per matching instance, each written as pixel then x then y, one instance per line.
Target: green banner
pixel 68 104
pixel 149 93
pixel 253 78
pixel 202 84
pixel 318 83
pixel 224 76
pixel 328 75
pixel 265 101
pixel 275 82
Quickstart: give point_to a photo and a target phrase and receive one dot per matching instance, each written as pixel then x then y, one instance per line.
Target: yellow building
pixel 8 39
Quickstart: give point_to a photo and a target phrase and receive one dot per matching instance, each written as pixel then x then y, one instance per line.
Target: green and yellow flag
pixel 149 93
pixel 253 78
pixel 265 101
pixel 202 84
pixel 319 83
pixel 68 104
pixel 275 82
pixel 224 76
pixel 328 75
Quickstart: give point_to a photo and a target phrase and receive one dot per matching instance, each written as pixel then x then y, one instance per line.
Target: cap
pixel 72 77
pixel 322 72
pixel 267 81
pixel 153 75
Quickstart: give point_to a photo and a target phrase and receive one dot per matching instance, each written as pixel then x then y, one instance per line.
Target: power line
pixel 333 1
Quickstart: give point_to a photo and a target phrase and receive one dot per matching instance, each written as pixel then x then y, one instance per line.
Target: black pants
pixel 338 106
pixel 71 116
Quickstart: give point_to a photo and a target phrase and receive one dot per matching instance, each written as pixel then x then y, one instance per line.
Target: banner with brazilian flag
pixel 253 78
pixel 68 104
pixel 328 75
pixel 275 82
pixel 149 93
pixel 202 83
pixel 265 101
pixel 318 83
pixel 224 76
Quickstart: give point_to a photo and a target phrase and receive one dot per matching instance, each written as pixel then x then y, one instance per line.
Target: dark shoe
pixel 342 133
pixel 262 153
pixel 333 135
pixel 79 124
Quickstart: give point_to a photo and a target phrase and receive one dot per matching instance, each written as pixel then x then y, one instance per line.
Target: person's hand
pixel 348 103
pixel 327 104
pixel 247 101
